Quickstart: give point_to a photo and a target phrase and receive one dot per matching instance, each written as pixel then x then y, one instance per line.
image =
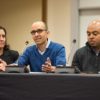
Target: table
pixel 45 86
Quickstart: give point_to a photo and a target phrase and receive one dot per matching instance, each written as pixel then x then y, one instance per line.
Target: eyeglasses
pixel 37 31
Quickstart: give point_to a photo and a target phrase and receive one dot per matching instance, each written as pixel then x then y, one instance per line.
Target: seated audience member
pixel 87 58
pixel 45 55
pixel 7 56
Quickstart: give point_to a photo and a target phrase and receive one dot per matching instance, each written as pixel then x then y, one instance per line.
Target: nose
pixel 1 38
pixel 36 34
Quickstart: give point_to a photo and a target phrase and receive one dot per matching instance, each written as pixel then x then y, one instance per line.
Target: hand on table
pixel 2 65
pixel 47 67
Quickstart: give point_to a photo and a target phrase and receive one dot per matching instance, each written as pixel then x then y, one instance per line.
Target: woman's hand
pixel 3 65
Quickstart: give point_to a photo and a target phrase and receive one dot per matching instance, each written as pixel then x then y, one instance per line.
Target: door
pixel 85 17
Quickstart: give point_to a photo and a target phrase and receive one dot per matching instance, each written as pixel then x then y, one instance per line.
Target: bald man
pixel 87 58
pixel 45 55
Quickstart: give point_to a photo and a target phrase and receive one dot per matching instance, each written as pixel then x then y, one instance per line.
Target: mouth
pixel 92 41
pixel 1 43
pixel 37 39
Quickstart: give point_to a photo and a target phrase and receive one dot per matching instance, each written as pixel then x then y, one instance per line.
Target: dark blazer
pixel 10 56
pixel 86 60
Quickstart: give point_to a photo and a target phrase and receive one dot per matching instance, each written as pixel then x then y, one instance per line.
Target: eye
pixel 3 36
pixel 40 31
pixel 33 32
pixel 96 33
pixel 88 33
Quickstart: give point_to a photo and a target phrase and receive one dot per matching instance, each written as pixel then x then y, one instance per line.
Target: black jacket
pixel 86 60
pixel 9 56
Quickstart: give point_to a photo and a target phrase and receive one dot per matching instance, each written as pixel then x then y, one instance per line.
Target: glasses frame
pixel 39 31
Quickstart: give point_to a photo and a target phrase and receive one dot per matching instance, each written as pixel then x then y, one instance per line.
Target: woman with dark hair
pixel 7 56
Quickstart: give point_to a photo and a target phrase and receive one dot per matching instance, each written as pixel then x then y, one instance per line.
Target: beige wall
pixel 59 22
pixel 17 16
pixel 88 4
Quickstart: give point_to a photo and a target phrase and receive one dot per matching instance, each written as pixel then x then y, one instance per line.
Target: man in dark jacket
pixel 87 58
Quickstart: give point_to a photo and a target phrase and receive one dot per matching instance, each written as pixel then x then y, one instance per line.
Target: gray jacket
pixel 86 60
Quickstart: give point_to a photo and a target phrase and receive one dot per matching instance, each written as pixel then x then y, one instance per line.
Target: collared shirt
pixel 48 43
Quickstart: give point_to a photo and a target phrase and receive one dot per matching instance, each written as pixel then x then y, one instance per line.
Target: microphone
pixel 71 50
pixel 77 70
pixel 74 41
pixel 63 69
pixel 26 42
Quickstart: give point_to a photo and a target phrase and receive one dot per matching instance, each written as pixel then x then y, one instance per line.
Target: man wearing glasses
pixel 45 55
pixel 87 58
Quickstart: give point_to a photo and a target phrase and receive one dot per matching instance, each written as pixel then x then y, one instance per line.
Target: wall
pixel 17 16
pixel 86 4
pixel 58 19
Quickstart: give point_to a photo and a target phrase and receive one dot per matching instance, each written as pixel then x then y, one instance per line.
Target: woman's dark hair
pixel 6 47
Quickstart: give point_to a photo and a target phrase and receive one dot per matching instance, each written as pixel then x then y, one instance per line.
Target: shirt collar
pixel 48 43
